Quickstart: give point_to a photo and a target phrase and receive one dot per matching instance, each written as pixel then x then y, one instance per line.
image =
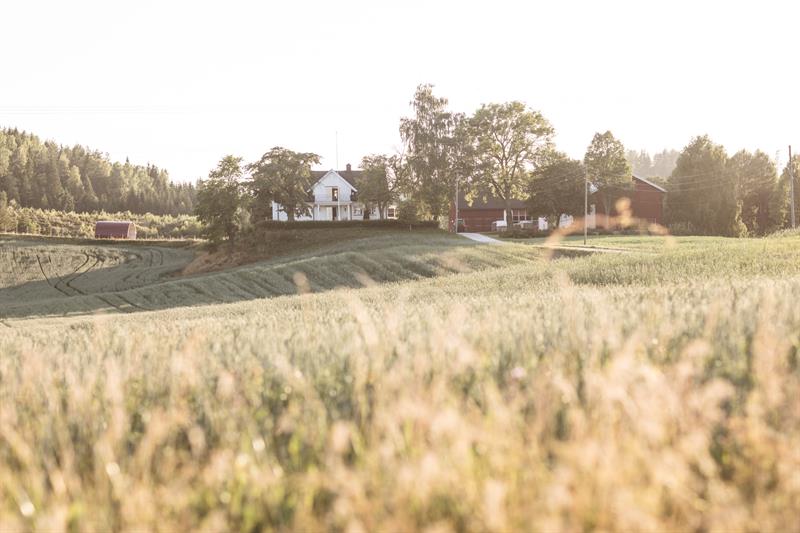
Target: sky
pixel 181 84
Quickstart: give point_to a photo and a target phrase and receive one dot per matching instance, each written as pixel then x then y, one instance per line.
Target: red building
pixel 108 229
pixel 647 204
pixel 478 216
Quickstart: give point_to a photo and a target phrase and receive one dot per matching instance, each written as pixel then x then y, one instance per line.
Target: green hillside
pixel 62 279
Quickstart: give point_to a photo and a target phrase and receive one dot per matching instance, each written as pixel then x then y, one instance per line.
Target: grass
pixel 649 243
pixel 134 282
pixel 261 245
pixel 418 382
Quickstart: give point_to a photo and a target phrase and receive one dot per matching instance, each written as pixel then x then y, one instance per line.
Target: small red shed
pixel 114 229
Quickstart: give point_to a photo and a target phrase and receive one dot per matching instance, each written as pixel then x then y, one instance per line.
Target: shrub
pixel 408 212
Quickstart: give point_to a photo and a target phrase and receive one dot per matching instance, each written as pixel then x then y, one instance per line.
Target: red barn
pixel 479 215
pixel 647 203
pixel 108 229
pixel 648 200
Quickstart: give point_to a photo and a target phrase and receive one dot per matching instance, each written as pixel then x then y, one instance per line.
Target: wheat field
pixel 400 382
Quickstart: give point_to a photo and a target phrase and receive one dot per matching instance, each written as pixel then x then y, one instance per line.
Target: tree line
pixel 506 151
pixel 52 222
pixel 712 193
pixel 657 167
pixel 46 175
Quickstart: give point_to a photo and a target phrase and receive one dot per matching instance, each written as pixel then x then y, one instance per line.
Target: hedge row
pixel 28 220
pixel 372 224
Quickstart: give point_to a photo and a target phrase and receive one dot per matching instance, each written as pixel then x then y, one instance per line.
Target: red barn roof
pixel 114 229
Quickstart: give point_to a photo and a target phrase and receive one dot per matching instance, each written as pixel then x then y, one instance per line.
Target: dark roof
pixel 113 224
pixel 114 228
pixel 634 177
pixel 650 183
pixel 350 176
pixel 489 202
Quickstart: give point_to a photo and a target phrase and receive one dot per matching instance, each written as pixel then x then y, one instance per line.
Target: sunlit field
pixel 403 381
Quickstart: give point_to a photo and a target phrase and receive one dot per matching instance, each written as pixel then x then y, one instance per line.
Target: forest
pixel 46 175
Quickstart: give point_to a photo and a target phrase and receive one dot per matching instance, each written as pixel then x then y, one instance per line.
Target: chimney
pixel 348 167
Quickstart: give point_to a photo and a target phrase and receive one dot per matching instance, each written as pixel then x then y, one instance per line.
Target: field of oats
pixel 402 381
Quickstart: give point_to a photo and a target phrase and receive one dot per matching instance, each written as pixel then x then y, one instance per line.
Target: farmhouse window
pixel 391 213
pixel 518 215
pixel 334 194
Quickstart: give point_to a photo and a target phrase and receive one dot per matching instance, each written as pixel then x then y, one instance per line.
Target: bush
pixel 408 212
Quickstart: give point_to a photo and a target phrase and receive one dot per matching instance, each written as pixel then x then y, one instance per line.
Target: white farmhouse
pixel 334 196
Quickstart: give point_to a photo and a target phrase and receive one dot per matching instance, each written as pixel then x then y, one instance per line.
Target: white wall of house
pixel 332 195
pixel 323 189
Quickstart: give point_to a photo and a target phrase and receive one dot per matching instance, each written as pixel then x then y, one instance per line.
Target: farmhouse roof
pixel 489 202
pixel 650 183
pixel 350 176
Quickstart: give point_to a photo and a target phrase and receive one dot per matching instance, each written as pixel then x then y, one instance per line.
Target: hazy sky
pixel 180 84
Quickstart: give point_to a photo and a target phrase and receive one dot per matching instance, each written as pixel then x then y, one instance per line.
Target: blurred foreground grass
pixel 628 392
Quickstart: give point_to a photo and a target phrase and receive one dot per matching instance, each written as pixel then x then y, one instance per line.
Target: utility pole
pixel 791 188
pixel 585 205
pixel 456 204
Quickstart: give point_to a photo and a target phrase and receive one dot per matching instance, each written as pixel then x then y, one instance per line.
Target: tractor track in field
pixel 134 274
pixel 6 324
pixel 160 256
pixel 62 279
pixel 55 286
pixel 150 261
pixel 70 281
pixel 76 274
pixel 104 299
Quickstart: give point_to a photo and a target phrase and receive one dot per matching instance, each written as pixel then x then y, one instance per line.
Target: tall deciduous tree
pixel 380 181
pixel 782 197
pixel 283 176
pixel 5 212
pixel 557 188
pixel 608 169
pixel 702 192
pixel 510 142
pixel 219 199
pixel 755 178
pixel 429 140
